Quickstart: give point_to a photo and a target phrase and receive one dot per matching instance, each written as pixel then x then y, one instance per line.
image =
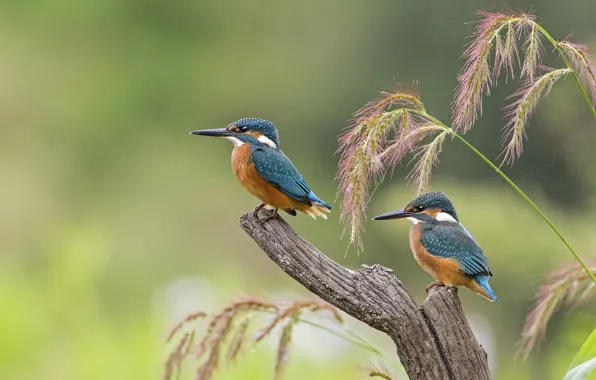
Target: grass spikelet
pixel 582 63
pixel 533 49
pixel 174 361
pixel 283 350
pixel 475 78
pixel 190 318
pixel 237 340
pixel 566 286
pixel 521 110
pixel 206 371
pixel 214 342
pixel 426 158
pixel 509 55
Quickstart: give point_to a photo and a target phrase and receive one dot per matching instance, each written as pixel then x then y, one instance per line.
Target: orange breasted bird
pixel 443 246
pixel 265 171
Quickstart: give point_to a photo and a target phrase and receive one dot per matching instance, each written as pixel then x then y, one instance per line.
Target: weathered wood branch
pixel 434 341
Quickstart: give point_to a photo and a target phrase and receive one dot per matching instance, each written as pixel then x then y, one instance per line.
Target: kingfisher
pixel 265 171
pixel 442 246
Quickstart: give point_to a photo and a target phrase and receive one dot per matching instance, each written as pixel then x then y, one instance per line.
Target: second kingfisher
pixel 443 246
pixel 265 171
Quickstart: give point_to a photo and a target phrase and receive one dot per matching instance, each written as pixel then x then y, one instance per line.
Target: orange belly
pixel 447 271
pixel 249 178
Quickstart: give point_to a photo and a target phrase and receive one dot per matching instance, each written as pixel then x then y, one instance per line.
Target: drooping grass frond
pixel 379 124
pixel 426 159
pixel 220 327
pixel 237 340
pixel 569 285
pixel 475 78
pixel 174 361
pixel 582 63
pixel 282 349
pixel 533 49
pixel 399 146
pixel 402 96
pixel 190 318
pixel 521 110
pixel 226 334
pixel 182 349
pixel 382 134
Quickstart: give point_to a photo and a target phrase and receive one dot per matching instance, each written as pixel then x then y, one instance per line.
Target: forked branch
pixel 434 341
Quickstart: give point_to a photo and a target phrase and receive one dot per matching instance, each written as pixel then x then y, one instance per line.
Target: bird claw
pixel 433 284
pixel 272 216
pixel 255 212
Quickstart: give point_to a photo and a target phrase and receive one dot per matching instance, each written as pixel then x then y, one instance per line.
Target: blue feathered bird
pixel 265 171
pixel 443 246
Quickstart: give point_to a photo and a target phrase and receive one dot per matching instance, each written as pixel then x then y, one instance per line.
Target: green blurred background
pixel 115 222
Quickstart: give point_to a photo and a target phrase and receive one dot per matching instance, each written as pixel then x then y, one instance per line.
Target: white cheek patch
pixel 267 141
pixel 444 217
pixel 413 220
pixel 237 142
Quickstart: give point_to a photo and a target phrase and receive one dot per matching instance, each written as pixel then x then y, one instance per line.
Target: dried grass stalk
pixel 224 332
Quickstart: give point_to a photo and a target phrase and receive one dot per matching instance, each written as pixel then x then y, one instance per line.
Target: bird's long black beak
pixel 218 132
pixel 399 214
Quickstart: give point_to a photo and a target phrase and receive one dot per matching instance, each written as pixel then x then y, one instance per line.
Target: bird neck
pixel 424 218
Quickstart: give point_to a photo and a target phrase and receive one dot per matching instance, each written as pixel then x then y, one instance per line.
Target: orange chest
pixel 240 160
pixel 420 254
pixel 250 179
pixel 445 270
pixel 245 171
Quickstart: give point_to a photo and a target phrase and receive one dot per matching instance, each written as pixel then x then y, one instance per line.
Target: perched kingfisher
pixel 265 171
pixel 443 246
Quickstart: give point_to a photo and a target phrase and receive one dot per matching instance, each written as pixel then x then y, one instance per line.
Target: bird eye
pixel 237 129
pixel 418 208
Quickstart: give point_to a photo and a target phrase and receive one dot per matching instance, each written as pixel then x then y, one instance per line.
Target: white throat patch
pixel 413 220
pixel 237 142
pixel 267 141
pixel 444 217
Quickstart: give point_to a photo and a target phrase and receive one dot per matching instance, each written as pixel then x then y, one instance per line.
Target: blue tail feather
pixel 482 280
pixel 313 198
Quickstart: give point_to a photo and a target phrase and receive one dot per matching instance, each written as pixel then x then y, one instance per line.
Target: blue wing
pixel 448 240
pixel 275 168
pixel 466 231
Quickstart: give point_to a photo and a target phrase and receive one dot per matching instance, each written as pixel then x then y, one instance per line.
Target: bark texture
pixel 434 341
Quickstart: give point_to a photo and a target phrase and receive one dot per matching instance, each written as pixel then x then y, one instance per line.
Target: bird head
pixel 426 207
pixel 247 130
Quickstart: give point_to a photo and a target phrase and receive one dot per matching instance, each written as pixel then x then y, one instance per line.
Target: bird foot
pixel 272 216
pixel 255 212
pixel 433 284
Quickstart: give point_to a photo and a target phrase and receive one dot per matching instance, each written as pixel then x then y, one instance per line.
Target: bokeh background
pixel 115 223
